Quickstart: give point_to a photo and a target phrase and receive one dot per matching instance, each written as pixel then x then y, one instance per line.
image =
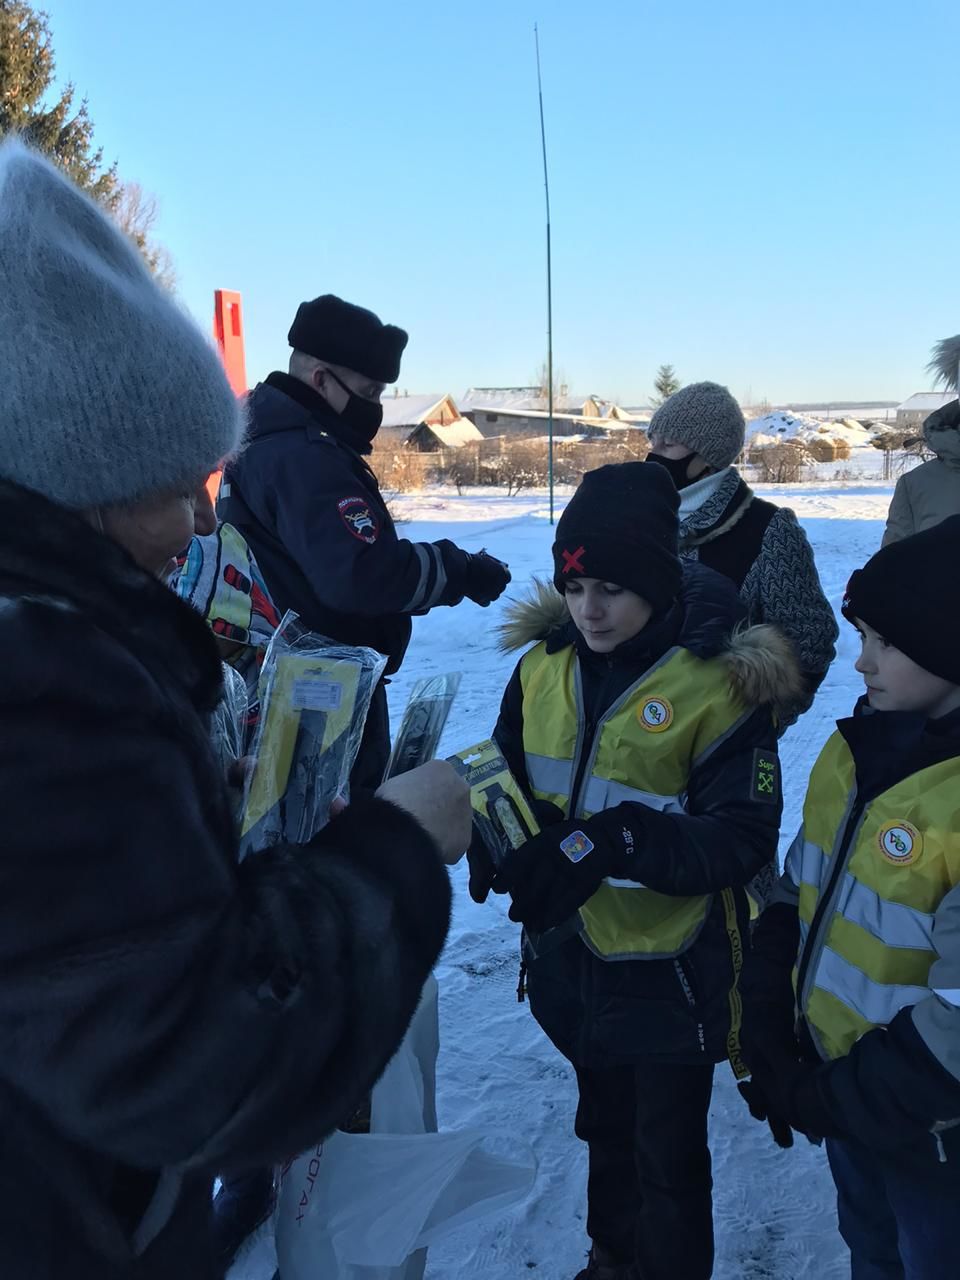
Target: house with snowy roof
pixel 524 412
pixel 913 411
pixel 425 422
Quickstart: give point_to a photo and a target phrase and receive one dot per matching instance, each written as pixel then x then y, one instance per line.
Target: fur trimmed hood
pixel 941 432
pixel 762 663
pixel 532 618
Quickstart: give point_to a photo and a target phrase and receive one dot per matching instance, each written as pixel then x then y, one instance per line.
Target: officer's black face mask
pixel 364 416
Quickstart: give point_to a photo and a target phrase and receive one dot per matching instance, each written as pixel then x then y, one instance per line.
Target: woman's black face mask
pixel 675 467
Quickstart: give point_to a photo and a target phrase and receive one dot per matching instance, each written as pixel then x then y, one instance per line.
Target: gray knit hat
pixel 704 417
pixel 108 391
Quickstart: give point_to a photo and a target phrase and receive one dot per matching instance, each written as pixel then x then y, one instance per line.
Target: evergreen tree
pixel 49 122
pixel 665 384
pixel 53 127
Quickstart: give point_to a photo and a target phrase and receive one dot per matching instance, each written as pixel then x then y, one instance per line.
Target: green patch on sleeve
pixel 765 778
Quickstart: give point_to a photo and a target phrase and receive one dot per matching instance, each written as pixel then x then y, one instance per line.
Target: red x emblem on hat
pixel 572 561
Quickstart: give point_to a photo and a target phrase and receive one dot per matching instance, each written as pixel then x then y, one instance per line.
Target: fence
pixel 515 465
pixel 510 464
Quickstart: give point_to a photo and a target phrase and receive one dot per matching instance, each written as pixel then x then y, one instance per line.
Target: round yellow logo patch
pixel 900 843
pixel 656 714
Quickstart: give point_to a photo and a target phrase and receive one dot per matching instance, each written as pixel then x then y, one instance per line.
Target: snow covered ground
pixel 774 1210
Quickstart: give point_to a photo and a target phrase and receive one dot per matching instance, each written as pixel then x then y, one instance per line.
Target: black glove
pixel 767 1038
pixel 802 1099
pixel 770 1049
pixel 486 578
pixel 755 1098
pixel 552 875
pixel 791 1089
pixel 483 871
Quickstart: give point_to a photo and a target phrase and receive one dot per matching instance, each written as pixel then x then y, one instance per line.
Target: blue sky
pixel 758 192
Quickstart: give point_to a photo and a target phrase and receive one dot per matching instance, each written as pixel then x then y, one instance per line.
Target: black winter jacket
pixel 165 1013
pixel 600 1013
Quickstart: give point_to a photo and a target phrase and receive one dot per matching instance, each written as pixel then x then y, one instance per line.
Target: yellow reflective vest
pixel 870 878
pixel 643 748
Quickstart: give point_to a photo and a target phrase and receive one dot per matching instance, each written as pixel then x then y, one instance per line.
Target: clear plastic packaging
pixel 502 815
pixel 423 722
pixel 228 727
pixel 314 696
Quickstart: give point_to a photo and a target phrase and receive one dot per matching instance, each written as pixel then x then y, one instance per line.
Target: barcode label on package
pixel 316 695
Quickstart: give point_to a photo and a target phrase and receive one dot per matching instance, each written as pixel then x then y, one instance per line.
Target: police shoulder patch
pixel 360 518
pixel 765 777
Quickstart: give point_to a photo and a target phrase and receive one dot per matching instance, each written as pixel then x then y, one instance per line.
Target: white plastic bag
pixel 366 1206
pixel 405 1097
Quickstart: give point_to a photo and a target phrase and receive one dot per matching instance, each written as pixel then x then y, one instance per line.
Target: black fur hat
pixel 339 332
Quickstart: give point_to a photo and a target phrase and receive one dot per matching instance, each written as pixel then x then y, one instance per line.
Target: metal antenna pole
pixel 546 189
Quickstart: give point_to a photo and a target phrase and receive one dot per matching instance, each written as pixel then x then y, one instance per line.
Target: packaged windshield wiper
pixel 504 820
pixel 502 815
pixel 314 695
pixel 424 719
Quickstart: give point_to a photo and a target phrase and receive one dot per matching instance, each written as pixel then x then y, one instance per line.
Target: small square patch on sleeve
pixel 765 778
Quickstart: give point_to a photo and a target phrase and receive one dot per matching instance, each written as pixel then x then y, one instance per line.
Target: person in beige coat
pixel 931 492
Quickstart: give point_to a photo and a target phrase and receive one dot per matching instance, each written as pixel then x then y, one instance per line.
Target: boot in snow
pixel 602 1265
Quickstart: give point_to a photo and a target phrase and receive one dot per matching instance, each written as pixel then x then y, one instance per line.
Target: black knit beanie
pixel 341 333
pixel 621 526
pixel 907 592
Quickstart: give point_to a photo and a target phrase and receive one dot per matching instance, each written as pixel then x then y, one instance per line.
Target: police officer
pixel 308 503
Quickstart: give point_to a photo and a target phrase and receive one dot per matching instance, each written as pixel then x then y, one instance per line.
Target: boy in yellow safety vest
pixel 640 724
pixel 852 993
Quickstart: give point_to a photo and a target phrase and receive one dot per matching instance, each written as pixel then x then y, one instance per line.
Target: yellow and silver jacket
pixel 874 877
pixel 669 756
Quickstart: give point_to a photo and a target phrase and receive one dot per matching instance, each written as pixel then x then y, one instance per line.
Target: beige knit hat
pixel 704 417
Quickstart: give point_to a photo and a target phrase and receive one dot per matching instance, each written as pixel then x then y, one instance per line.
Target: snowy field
pixel 774 1210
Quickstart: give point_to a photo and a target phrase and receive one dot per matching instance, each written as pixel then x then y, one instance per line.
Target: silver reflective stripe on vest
pixel 794 859
pixel 602 793
pixel 807 863
pixel 894 924
pixel 555 777
pixel 875 1002
pixel 814 946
